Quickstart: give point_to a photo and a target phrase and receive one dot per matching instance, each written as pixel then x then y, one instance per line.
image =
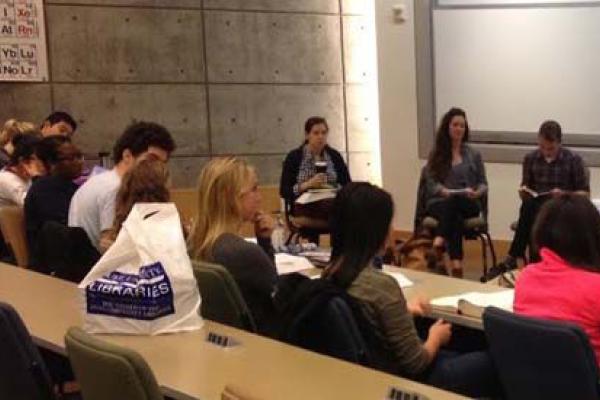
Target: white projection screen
pixel 513 64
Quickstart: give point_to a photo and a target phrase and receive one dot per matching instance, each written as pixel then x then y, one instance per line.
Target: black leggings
pixel 451 214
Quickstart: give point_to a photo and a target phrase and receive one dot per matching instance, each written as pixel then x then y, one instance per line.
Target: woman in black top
pixel 300 170
pixel 49 197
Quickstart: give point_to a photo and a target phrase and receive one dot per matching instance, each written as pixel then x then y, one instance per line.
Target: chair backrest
pixel 105 371
pixel 23 374
pixel 221 298
pixel 12 224
pixel 63 251
pixel 329 327
pixel 539 359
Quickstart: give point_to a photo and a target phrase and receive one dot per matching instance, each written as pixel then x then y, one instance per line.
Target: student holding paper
pixel 228 196
pixel 565 284
pixel 455 182
pixel 361 227
pixel 550 170
pixel 312 166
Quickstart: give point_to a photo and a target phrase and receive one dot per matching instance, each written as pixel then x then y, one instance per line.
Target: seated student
pixel 454 165
pixel 552 169
pixel 565 284
pixel 361 227
pixel 146 182
pixel 15 178
pixel 228 196
pixel 49 197
pixel 300 173
pixel 59 123
pixel 11 128
pixel 93 205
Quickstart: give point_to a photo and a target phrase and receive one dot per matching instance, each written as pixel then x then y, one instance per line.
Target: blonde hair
pixel 146 182
pixel 13 127
pixel 220 186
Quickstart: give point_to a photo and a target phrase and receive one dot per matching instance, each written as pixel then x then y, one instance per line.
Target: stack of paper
pixel 287 263
pixel 313 196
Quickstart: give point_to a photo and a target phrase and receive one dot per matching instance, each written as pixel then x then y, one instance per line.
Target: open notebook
pixel 472 304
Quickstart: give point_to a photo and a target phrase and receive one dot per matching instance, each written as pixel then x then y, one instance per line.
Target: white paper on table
pixel 311 197
pixel 287 263
pixel 402 280
pixel 502 299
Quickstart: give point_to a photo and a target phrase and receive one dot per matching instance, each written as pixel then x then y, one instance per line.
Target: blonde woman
pixel 227 197
pixel 11 128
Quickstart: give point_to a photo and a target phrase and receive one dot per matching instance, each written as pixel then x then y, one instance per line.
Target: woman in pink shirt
pixel 565 284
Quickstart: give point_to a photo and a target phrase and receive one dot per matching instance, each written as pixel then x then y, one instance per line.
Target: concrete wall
pixel 225 76
pixel 398 123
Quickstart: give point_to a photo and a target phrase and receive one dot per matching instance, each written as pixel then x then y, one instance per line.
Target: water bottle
pixel 278 236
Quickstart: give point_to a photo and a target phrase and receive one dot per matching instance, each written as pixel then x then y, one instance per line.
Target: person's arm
pixel 341 169
pixel 482 185
pixel 434 187
pixel 106 204
pixel 288 188
pixel 250 266
pixel 581 181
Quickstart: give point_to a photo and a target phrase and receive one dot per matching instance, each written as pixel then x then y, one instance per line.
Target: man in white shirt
pixel 93 205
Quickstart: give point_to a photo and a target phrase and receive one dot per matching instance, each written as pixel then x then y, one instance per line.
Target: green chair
pixel 221 298
pixel 106 372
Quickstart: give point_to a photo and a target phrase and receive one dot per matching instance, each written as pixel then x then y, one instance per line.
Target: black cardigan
pixel 291 167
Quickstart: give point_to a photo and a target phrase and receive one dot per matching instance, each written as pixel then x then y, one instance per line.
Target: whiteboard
pixel 23 54
pixel 509 2
pixel 512 68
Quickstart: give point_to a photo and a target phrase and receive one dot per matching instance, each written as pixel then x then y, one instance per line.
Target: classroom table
pixel 431 286
pixel 188 367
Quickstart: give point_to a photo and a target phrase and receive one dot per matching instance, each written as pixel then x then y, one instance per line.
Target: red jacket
pixel 553 289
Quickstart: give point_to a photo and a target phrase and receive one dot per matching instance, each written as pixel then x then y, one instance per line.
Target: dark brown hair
pixel 312 121
pixel 550 130
pixel 440 159
pixel 569 225
pixel 145 182
pixel 360 223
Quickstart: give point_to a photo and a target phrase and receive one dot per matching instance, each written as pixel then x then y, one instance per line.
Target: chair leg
pixel 486 241
pixel 484 253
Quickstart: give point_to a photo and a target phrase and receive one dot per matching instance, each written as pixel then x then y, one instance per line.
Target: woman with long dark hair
pixel 565 284
pixel 361 225
pixel 455 183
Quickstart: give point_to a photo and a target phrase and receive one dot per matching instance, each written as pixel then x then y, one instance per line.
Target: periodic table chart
pixel 22 41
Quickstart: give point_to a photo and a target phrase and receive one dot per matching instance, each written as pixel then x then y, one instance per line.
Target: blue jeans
pixel 470 374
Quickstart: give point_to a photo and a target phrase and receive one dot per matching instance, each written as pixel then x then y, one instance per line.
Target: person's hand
pixel 444 193
pixel 264 224
pixel 441 331
pixel 317 181
pixel 523 194
pixel 419 306
pixel 557 192
pixel 472 194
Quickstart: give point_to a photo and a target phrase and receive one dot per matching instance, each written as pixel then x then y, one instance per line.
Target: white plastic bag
pixel 144 283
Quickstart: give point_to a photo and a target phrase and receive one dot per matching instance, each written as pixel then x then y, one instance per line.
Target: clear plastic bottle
pixel 278 236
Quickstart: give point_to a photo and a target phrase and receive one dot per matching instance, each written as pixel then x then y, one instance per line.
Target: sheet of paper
pixel 310 197
pixel 402 280
pixel 287 263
